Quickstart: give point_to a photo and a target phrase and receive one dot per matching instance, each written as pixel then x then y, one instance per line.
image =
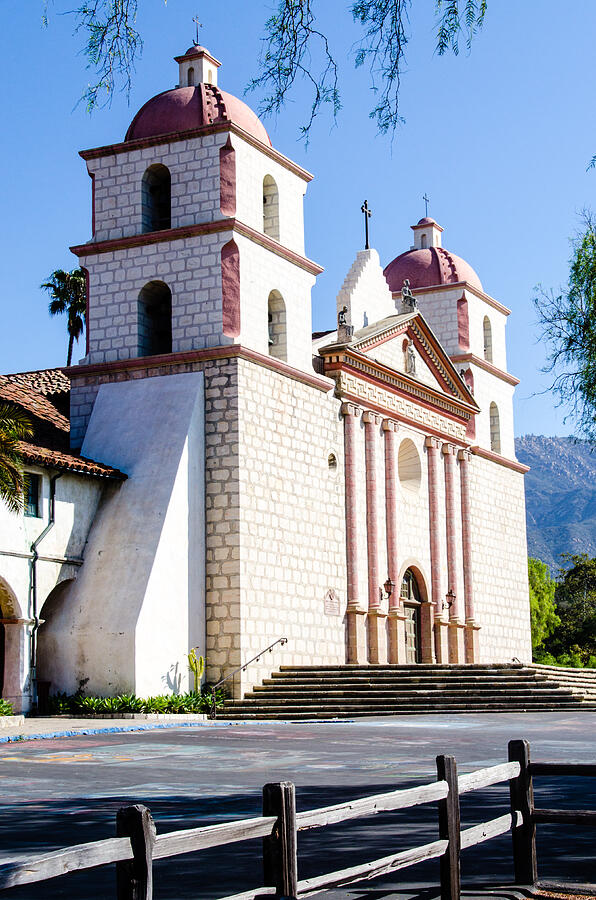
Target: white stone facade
pixel 267 497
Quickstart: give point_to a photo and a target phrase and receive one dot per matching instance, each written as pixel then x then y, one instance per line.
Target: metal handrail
pixel 242 668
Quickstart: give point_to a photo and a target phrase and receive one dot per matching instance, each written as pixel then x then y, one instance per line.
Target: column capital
pixel 432 443
pixel 464 455
pixel 350 409
pixel 371 418
pixel 390 425
pixel 448 450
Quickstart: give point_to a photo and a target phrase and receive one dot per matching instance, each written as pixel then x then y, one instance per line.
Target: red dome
pixel 188 108
pixel 429 267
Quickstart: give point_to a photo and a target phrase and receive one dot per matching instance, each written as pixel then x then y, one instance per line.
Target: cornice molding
pixel 233 225
pixel 176 136
pixel 487 366
pixel 500 460
pixel 173 360
pixel 461 285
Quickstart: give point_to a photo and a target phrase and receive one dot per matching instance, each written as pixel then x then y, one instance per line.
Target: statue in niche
pixel 410 358
pixel 407 297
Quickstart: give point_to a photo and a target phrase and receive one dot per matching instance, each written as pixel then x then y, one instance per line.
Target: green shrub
pixel 6 708
pixel 192 702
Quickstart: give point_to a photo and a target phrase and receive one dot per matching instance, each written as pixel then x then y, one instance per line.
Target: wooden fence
pixel 137 844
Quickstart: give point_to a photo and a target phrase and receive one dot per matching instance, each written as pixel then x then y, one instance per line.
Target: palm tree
pixel 14 427
pixel 69 295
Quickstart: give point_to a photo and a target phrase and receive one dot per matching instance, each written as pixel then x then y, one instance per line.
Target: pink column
pixel 396 618
pixel 471 629
pixel 440 626
pixel 455 634
pixel 355 615
pixel 371 437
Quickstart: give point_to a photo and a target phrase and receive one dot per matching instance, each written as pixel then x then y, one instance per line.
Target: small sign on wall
pixel 332 607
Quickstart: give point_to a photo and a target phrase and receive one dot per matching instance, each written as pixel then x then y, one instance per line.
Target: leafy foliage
pixel 573 641
pixel 78 704
pixel 543 616
pixel 6 708
pixel 293 47
pixel 293 41
pixel 68 291
pixel 15 426
pixel 568 323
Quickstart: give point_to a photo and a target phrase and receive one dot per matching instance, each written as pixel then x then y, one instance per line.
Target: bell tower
pixel 198 234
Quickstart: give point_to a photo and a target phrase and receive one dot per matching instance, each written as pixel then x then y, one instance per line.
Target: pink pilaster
pixel 455 631
pixel 355 614
pixel 440 626
pixel 396 617
pixel 375 615
pixel 471 628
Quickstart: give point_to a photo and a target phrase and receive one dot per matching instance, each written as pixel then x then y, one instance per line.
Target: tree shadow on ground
pixel 564 853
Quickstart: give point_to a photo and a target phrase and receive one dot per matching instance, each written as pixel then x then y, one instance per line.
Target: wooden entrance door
pixel 412 633
pixel 410 597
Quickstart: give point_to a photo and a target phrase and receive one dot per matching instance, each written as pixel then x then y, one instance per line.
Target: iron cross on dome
pixel 367 214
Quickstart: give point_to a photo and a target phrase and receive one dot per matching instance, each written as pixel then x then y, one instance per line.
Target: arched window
pixel 155 319
pixel 276 321
pixel 423 241
pixel 156 195
pixel 488 339
pixel 495 429
pixel 190 78
pixel 209 76
pixel 270 207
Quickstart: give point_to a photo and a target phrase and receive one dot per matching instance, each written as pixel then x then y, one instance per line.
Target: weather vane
pixel 197 26
pixel 367 214
pixel 426 202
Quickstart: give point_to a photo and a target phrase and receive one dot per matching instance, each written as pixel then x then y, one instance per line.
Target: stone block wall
pixel 477 310
pixel 499 559
pixel 194 171
pixel 252 165
pixel 488 389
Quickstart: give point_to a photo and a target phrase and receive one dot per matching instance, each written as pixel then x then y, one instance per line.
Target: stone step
pixel 287 683
pixel 317 712
pixel 403 696
pixel 501 702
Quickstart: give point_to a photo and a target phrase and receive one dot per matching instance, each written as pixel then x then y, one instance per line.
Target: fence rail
pixel 137 845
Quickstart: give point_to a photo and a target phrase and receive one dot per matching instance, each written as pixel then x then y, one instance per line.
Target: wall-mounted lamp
pixel 388 588
pixel 449 598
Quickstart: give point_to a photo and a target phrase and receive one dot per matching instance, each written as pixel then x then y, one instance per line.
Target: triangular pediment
pixel 406 344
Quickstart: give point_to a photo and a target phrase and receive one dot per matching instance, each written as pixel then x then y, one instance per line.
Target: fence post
pixel 280 865
pixel 134 878
pixel 449 829
pixel 521 792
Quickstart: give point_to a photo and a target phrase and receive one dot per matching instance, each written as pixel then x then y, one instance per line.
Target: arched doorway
pixel 12 647
pixel 411 600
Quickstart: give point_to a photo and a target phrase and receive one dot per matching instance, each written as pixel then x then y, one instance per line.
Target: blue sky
pixel 499 139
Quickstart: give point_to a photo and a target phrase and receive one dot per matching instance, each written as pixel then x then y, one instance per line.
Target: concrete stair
pixel 316 692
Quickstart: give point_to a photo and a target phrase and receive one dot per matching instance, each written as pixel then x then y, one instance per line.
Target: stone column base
pixel 427 649
pixel 356 654
pixel 471 641
pixel 441 640
pixel 396 628
pixel 456 632
pixel 377 642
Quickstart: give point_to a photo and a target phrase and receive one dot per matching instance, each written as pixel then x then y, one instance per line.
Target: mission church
pixel 213 475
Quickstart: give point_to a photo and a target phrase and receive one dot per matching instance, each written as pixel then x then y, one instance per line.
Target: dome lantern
pixel 427 233
pixel 197 66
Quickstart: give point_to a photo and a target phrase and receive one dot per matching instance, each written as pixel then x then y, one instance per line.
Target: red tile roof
pixel 69 462
pixel 49 445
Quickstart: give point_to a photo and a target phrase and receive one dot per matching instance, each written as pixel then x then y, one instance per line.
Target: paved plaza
pixel 61 791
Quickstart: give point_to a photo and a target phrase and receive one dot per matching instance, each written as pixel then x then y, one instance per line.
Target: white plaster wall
pixel 391 354
pixel 488 388
pixel 365 292
pixel 76 501
pixel 125 623
pixel 194 171
pixel 439 308
pixel 252 165
pixel 477 310
pixel 261 272
pixel 499 562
